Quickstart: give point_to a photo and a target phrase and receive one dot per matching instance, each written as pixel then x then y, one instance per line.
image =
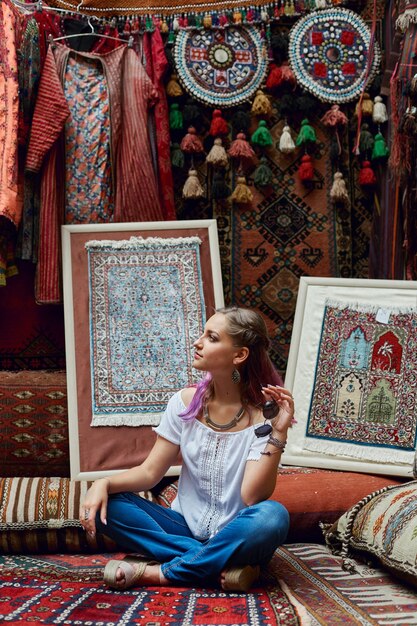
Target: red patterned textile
pixel 156 66
pixel 34 415
pixel 61 589
pixel 131 94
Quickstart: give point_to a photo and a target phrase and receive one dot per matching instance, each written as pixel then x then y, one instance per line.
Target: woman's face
pixel 214 350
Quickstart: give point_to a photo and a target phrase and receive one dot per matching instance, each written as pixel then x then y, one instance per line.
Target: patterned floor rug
pixel 63 589
pixel 326 595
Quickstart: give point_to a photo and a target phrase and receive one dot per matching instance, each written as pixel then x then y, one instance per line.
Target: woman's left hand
pixel 284 400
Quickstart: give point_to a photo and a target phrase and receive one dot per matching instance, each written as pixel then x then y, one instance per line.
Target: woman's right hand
pixel 95 500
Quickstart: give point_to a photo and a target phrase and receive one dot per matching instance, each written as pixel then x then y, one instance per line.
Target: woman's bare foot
pixel 152 576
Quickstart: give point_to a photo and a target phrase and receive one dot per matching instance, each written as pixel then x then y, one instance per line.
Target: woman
pixel 221 527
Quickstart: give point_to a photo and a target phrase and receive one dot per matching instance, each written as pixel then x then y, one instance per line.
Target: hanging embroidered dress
pixel 133 186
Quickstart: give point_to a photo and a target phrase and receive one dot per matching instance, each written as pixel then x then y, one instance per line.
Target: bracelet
pixel 276 442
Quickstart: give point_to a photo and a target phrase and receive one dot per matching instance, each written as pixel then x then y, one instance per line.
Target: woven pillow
pixel 41 515
pixel 384 525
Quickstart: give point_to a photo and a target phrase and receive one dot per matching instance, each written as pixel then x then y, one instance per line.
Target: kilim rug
pixel 289 231
pixel 62 589
pixel 329 596
pixel 34 424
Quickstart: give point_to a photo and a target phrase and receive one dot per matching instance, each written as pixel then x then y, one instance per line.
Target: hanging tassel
pixel 286 143
pixel 262 136
pixel 217 155
pixel 338 191
pixel 242 194
pixel 241 121
pixel 262 176
pixel 408 122
pixel 218 124
pixel 191 143
pixel 334 117
pixel 307 134
pixel 241 149
pixel 175 116
pixel 320 4
pixel 366 176
pixel 288 76
pixel 262 104
pixel 191 113
pixel 177 156
pixel 173 88
pixel 274 79
pixel 366 140
pixel 365 106
pixel 380 150
pixel 192 187
pixel 306 169
pixel 219 189
pixel 334 150
pixel 379 113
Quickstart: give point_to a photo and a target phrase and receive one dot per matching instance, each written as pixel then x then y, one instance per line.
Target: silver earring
pixel 236 376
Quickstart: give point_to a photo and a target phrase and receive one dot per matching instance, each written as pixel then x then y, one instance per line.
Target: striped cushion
pixel 383 525
pixel 41 515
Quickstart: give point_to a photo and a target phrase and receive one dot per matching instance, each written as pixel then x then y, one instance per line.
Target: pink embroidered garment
pixel 130 93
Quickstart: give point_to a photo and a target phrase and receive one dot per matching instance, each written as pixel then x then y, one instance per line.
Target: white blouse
pixel 212 470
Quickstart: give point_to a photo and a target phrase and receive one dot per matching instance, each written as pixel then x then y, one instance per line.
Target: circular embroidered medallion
pixel 329 54
pixel 221 67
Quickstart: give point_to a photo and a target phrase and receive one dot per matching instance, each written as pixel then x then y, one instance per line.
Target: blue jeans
pixel 139 525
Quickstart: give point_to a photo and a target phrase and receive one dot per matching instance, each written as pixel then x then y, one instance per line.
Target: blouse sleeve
pixel 257 446
pixel 171 424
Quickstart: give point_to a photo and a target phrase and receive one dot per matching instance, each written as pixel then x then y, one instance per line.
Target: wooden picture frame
pixel 315 294
pixel 100 451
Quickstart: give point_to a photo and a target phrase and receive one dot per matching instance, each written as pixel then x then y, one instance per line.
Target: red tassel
pixel 306 169
pixel 288 75
pixel 191 143
pixel 367 176
pixel 218 124
pixel 274 78
pixel 240 148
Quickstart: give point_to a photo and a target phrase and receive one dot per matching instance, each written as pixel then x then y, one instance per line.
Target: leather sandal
pixel 240 578
pixel 133 568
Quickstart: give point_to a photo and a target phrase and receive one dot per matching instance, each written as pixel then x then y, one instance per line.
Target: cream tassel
pixel 379 112
pixel 217 155
pixel 192 188
pixel 286 143
pixel 338 192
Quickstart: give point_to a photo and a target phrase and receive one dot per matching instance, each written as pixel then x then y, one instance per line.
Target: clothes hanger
pixel 129 41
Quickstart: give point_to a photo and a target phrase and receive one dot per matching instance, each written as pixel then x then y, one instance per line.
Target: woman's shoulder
pixel 187 394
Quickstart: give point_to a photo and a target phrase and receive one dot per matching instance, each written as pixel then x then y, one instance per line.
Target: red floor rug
pixel 326 595
pixel 63 589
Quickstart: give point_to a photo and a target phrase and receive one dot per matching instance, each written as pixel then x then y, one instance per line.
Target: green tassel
pixel 262 136
pixel 171 37
pixel 380 149
pixel 175 116
pixel 366 140
pixel 307 133
pixel 177 156
pixel 262 176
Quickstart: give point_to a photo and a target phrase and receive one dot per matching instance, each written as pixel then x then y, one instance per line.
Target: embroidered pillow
pixel 384 525
pixel 40 515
